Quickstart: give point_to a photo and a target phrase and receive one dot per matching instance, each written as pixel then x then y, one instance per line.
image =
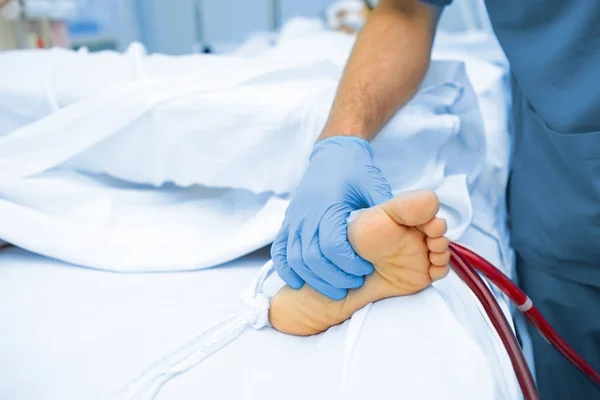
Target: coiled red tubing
pixel 465 263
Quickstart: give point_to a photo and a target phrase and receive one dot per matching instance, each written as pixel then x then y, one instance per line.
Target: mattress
pixel 74 333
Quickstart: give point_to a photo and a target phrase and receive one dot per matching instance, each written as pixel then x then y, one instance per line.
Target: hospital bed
pixel 73 333
pixel 85 333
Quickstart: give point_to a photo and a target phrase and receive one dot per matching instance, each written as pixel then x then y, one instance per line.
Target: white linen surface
pixel 241 127
pixel 152 163
pixel 71 333
pixel 487 69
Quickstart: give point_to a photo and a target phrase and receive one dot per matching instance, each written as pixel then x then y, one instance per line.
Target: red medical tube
pixel 488 301
pixel 525 305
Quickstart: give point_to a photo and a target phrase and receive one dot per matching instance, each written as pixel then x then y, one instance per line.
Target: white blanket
pixel 84 334
pixel 225 144
pixel 152 163
pixel 487 70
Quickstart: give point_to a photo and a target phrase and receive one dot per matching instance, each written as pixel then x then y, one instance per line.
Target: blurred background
pixel 174 26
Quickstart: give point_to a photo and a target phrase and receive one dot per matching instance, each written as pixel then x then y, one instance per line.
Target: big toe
pixel 412 208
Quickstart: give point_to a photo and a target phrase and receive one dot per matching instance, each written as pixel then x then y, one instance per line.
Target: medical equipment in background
pixel 94 24
pixel 188 26
pixel 465 262
pixel 106 24
pixel 256 315
pixel 11 34
pixel 347 15
pixel 35 23
pixel 223 25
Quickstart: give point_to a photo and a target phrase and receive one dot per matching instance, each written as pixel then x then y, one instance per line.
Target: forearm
pixel 386 67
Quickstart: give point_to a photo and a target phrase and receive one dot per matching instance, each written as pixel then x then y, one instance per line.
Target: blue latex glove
pixel 312 245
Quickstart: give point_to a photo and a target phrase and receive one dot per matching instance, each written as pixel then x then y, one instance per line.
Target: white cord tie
pixel 259 310
pixel 255 315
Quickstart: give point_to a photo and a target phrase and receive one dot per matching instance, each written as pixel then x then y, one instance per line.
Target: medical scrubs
pixel 554 191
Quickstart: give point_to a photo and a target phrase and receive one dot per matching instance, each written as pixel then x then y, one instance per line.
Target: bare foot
pixel 403 240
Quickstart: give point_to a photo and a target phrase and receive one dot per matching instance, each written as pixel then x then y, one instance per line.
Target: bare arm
pixel 386 67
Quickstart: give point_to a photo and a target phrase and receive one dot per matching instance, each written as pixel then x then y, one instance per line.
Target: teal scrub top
pixel 553 47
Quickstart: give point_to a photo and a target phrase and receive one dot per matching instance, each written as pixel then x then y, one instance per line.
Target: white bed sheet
pixel 216 138
pixel 73 333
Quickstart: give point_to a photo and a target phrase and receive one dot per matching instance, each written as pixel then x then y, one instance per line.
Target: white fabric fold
pixel 167 170
pixel 255 315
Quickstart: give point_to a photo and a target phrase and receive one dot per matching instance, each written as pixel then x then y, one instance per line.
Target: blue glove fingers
pixel 296 262
pixel 278 254
pixel 380 190
pixel 317 263
pixel 333 236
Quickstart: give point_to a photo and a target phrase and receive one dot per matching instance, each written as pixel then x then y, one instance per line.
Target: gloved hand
pixel 312 245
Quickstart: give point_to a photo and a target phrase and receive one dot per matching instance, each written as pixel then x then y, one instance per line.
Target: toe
pixel 437 272
pixel 412 208
pixel 438 244
pixel 435 228
pixel 440 259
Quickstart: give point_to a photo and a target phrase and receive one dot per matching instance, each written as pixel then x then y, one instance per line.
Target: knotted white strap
pixel 255 315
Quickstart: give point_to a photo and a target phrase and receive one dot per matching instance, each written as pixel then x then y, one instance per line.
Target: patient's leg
pixel 403 240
